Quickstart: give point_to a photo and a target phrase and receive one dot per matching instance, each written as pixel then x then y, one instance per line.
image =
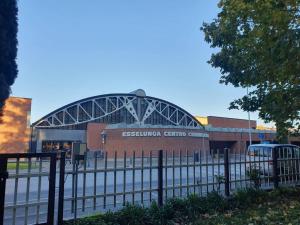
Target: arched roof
pixel 132 108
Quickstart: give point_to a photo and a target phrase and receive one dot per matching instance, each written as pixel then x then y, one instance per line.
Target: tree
pixel 8 48
pixel 258 43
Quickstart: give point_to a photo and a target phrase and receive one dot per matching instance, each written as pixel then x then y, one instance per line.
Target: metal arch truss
pixel 99 107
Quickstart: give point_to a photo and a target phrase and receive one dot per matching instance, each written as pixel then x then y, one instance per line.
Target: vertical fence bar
pixel 295 179
pixel 226 171
pixel 246 164
pixel 142 179
pixel 180 173
pixel 73 185
pixel 150 177
pixel 235 170
pixel 240 162
pixel 166 176
pixel 124 179
pixel 187 172
pixel 39 191
pixel 285 167
pixel 95 181
pixel 105 181
pixel 133 178
pixel 213 168
pixel 265 157
pixel 3 177
pixel 200 172
pixel 76 162
pixel 219 181
pixel 60 213
pixel 84 182
pixel 16 193
pixel 298 165
pixel 295 165
pixel 275 170
pixel 207 176
pixel 194 171
pixel 160 178
pixel 27 191
pixel 173 173
pixel 115 179
pixel 51 194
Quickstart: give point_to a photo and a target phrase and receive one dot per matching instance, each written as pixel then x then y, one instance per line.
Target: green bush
pixel 133 215
pixel 184 211
pixel 245 197
pixel 216 202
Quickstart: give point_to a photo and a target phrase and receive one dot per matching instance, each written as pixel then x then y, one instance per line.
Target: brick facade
pixel 215 121
pixel 116 142
pixel 15 126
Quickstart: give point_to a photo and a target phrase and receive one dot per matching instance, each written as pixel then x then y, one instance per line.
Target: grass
pixel 22 166
pixel 246 207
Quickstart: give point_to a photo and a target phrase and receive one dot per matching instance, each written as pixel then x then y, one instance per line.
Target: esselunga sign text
pixel 163 133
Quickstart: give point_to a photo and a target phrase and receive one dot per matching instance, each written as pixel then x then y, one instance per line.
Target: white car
pixel 260 157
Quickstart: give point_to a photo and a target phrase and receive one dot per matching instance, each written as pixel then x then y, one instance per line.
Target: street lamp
pixel 249 123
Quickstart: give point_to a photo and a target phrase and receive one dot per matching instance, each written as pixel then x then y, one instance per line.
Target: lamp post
pixel 103 138
pixel 249 123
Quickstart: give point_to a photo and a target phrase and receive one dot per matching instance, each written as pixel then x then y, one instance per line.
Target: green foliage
pixel 216 202
pixel 258 47
pixel 220 179
pixel 8 47
pixel 245 197
pixel 187 211
pixel 254 175
pixel 133 215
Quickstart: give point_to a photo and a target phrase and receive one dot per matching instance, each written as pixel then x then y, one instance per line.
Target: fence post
pixel 51 193
pixel 60 213
pixel 275 168
pixel 3 177
pixel 160 178
pixel 226 171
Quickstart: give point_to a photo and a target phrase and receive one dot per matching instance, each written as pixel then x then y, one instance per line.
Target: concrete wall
pixel 15 126
pixel 58 135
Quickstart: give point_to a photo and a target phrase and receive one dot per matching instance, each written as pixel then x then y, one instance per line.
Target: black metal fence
pixel 46 189
pixel 22 207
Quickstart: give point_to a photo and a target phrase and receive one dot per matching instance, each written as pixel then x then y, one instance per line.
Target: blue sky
pixel 73 49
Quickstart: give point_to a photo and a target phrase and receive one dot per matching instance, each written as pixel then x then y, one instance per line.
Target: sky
pixel 73 49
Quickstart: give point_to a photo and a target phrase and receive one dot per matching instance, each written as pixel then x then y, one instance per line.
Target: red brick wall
pixel 94 135
pixel 14 132
pixel 116 142
pixel 215 121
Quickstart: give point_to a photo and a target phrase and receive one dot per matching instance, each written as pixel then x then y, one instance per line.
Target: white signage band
pixel 165 134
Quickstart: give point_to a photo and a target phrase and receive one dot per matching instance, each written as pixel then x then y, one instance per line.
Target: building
pixel 117 122
pixel 234 133
pixel 15 125
pixel 132 122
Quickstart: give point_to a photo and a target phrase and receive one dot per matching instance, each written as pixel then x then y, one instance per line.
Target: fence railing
pixel 26 207
pixel 46 189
